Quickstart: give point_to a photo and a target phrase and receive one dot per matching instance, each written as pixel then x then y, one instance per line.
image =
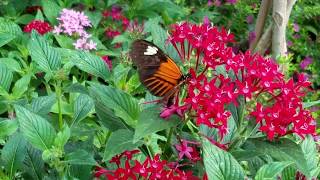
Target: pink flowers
pixel 252 77
pixel 306 62
pixel 72 22
pixel 149 169
pixel 40 26
pixel 190 152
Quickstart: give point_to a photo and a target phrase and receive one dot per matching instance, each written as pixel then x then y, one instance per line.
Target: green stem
pixel 59 94
pixel 169 137
pixel 107 137
pixel 150 150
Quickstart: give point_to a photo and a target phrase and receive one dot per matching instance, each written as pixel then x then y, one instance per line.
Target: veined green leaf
pixel 51 10
pixel 118 142
pixel 43 54
pixel 8 127
pixel 37 130
pixel 220 164
pixel 42 105
pixel 91 64
pixel 8 31
pixel 83 105
pixel 33 163
pixel 271 170
pixel 150 122
pixel 5 77
pixel 80 157
pixel 13 154
pixel 123 104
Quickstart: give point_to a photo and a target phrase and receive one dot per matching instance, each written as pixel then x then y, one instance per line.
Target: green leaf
pixel 94 17
pixel 111 2
pixel 91 64
pixel 38 131
pixel 120 75
pixel 64 41
pixel 83 105
pixel 33 163
pixel 120 39
pixel 272 170
pixel 8 127
pixel 21 86
pixel 108 118
pixel 51 10
pixel 8 31
pixel 310 153
pixel 5 77
pixel 76 88
pixel 43 54
pixel 62 137
pixel 43 104
pixel 81 172
pixel 39 16
pixel 24 19
pixel 289 173
pixel 123 104
pixel 159 35
pixel 287 150
pixel 118 142
pixel 220 164
pixel 11 63
pixel 150 122
pixel 309 104
pixel 80 157
pixel 13 154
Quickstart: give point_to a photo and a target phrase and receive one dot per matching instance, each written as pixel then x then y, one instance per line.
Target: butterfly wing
pixel 157 71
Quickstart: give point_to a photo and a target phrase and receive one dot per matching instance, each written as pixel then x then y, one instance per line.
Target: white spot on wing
pixel 151 50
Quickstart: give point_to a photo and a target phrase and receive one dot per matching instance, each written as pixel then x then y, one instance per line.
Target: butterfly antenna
pixel 150 102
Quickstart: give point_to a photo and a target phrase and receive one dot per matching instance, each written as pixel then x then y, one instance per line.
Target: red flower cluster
pixel 115 15
pixel 108 61
pixel 250 76
pixel 40 26
pixel 150 169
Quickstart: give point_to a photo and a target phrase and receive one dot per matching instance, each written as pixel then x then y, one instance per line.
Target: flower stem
pixel 59 94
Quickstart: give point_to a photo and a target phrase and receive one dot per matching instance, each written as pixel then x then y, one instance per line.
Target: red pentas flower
pixel 108 61
pixel 40 26
pixel 210 90
pixel 154 168
pixel 188 149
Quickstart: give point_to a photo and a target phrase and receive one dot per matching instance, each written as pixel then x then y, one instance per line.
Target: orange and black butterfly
pixel 157 71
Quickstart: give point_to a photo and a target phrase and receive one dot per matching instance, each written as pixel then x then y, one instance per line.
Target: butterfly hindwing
pixel 157 71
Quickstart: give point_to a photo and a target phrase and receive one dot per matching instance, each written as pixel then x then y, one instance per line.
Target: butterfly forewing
pixel 157 71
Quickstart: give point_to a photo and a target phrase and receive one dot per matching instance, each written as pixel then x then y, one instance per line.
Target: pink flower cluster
pixel 188 149
pixel 40 26
pixel 150 169
pixel 250 76
pixel 72 22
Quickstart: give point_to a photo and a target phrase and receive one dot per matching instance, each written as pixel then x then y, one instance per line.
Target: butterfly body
pixel 157 71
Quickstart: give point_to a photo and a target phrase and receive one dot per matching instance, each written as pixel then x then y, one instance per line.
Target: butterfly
pixel 157 71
